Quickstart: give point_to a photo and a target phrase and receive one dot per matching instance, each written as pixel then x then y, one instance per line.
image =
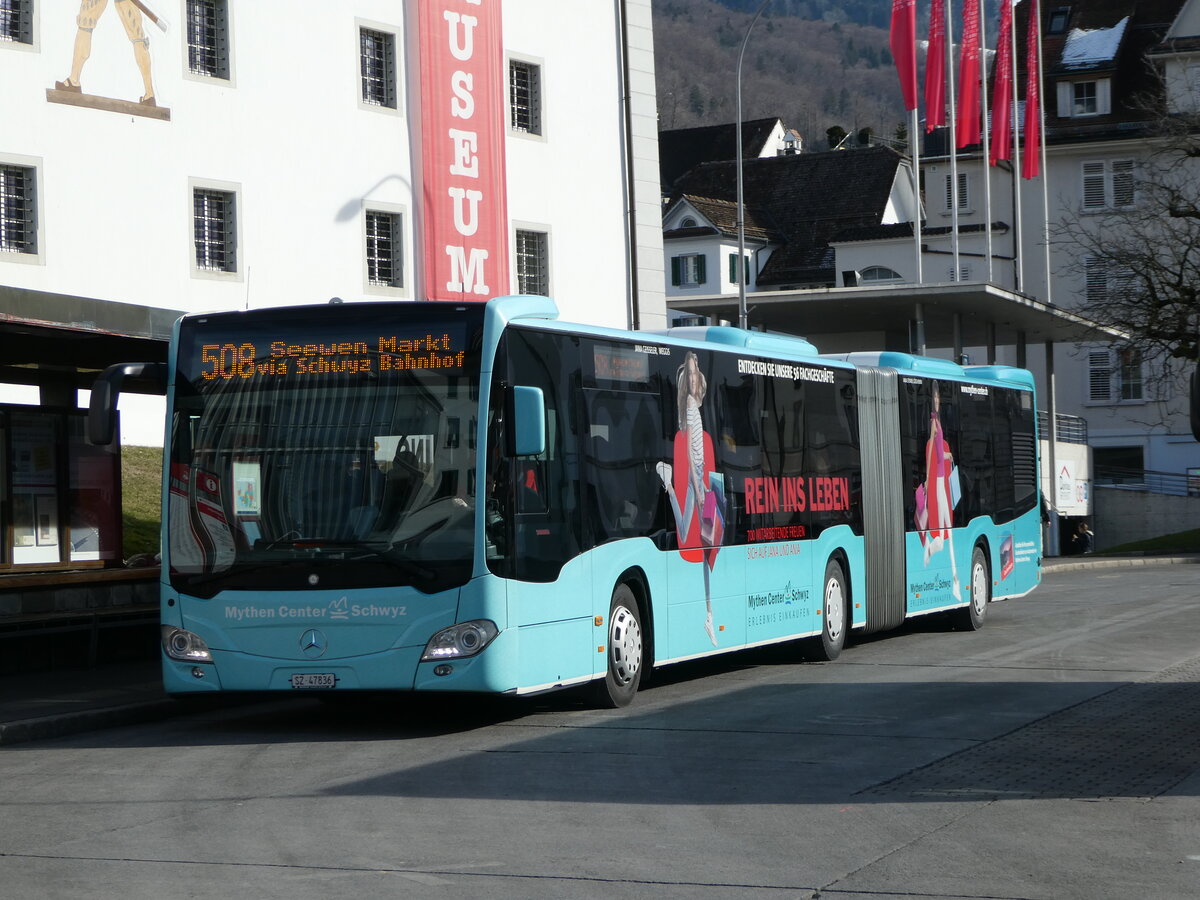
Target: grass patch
pixel 1182 542
pixel 141 498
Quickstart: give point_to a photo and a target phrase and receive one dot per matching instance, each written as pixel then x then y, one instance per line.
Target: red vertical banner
pixel 967 127
pixel 903 41
pixel 935 67
pixel 1002 88
pixel 464 202
pixel 1031 162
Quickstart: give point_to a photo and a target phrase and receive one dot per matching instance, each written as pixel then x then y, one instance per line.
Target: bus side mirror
pixel 1194 400
pixel 529 421
pixel 102 411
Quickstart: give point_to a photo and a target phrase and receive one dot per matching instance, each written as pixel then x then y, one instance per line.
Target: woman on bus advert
pixel 696 491
pixel 939 494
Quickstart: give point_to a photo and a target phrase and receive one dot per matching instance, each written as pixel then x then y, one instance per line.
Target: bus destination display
pixel 433 349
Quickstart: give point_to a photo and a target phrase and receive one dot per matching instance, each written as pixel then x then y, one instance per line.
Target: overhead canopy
pixel 60 339
pixel 891 309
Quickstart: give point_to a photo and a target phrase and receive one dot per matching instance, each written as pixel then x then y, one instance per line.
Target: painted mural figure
pixel 695 490
pixel 937 496
pixel 131 17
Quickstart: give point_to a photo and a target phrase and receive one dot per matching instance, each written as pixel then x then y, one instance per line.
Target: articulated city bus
pixel 480 497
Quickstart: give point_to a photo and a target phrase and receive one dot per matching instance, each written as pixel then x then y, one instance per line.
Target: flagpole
pixel 1042 147
pixel 1016 170
pixel 743 319
pixel 953 141
pixel 987 152
pixel 914 142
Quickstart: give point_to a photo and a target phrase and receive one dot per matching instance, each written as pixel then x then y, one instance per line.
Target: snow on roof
pixel 1087 47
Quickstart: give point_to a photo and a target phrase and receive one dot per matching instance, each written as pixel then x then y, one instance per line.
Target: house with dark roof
pixel 682 149
pixel 795 207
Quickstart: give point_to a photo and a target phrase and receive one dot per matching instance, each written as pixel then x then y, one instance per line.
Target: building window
pixel 214 229
pixel 733 267
pixel 1114 376
pixel 377 62
pixel 525 96
pixel 1084 98
pixel 1058 20
pixel 208 38
pixel 18 209
pixel 963 199
pixel 16 21
pixel 877 274
pixel 533 263
pixel 1108 184
pixel 688 270
pixel 385 249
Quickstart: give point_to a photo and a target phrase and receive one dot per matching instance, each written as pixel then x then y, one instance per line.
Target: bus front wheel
pixel 970 617
pixel 834 612
pixel 624 651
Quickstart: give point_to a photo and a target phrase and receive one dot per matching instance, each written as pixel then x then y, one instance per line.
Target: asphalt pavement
pixel 43 705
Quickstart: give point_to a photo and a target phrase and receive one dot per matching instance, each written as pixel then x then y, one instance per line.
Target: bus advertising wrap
pixel 464 206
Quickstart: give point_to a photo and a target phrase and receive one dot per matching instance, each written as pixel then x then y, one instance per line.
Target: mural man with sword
pixel 131 12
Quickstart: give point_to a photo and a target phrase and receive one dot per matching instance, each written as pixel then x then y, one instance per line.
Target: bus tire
pixel 624 651
pixel 834 612
pixel 971 616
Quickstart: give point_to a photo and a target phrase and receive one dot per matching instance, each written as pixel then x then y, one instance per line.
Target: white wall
pixel 289 133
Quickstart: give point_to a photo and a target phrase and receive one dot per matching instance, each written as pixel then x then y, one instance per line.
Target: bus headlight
pixel 185 646
pixel 459 641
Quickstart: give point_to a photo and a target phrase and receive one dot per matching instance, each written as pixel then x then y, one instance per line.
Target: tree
pixel 1138 253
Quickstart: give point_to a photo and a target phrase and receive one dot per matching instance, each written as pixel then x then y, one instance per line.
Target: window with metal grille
pixel 384 249
pixel 214 227
pixel 377 63
pixel 18 220
pixel 532 263
pixel 525 96
pixel 16 21
pixel 208 38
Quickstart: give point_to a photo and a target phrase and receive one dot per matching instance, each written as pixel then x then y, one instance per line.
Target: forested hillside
pixel 813 74
pixel 813 63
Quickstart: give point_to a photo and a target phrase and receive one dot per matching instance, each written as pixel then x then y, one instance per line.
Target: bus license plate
pixel 314 681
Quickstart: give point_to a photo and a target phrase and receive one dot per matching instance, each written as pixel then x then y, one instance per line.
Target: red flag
pixel 935 67
pixel 969 73
pixel 1031 164
pixel 904 48
pixel 1002 89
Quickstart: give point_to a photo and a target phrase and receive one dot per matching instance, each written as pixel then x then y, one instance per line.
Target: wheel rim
pixel 625 642
pixel 979 588
pixel 835 608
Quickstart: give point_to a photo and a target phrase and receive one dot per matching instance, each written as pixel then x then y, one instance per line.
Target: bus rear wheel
pixel 624 651
pixel 970 617
pixel 834 612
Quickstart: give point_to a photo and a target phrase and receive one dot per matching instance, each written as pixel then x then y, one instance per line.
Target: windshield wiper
pixel 378 549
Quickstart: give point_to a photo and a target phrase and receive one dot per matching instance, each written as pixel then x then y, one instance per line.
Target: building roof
pixel 1103 38
pixel 807 199
pixel 682 149
pixel 723 216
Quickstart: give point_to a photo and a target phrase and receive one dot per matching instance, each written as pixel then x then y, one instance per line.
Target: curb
pixel 45 727
pixel 1119 563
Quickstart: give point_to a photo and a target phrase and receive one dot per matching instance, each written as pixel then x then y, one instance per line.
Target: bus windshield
pixel 324 449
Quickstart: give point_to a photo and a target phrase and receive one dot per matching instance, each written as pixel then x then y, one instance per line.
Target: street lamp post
pixel 741 206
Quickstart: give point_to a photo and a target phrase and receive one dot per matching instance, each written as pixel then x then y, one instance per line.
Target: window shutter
pixel 1099 376
pixel 1065 100
pixel 1093 185
pixel 676 274
pixel 1103 96
pixel 733 278
pixel 701 277
pixel 1122 181
pixel 1095 276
